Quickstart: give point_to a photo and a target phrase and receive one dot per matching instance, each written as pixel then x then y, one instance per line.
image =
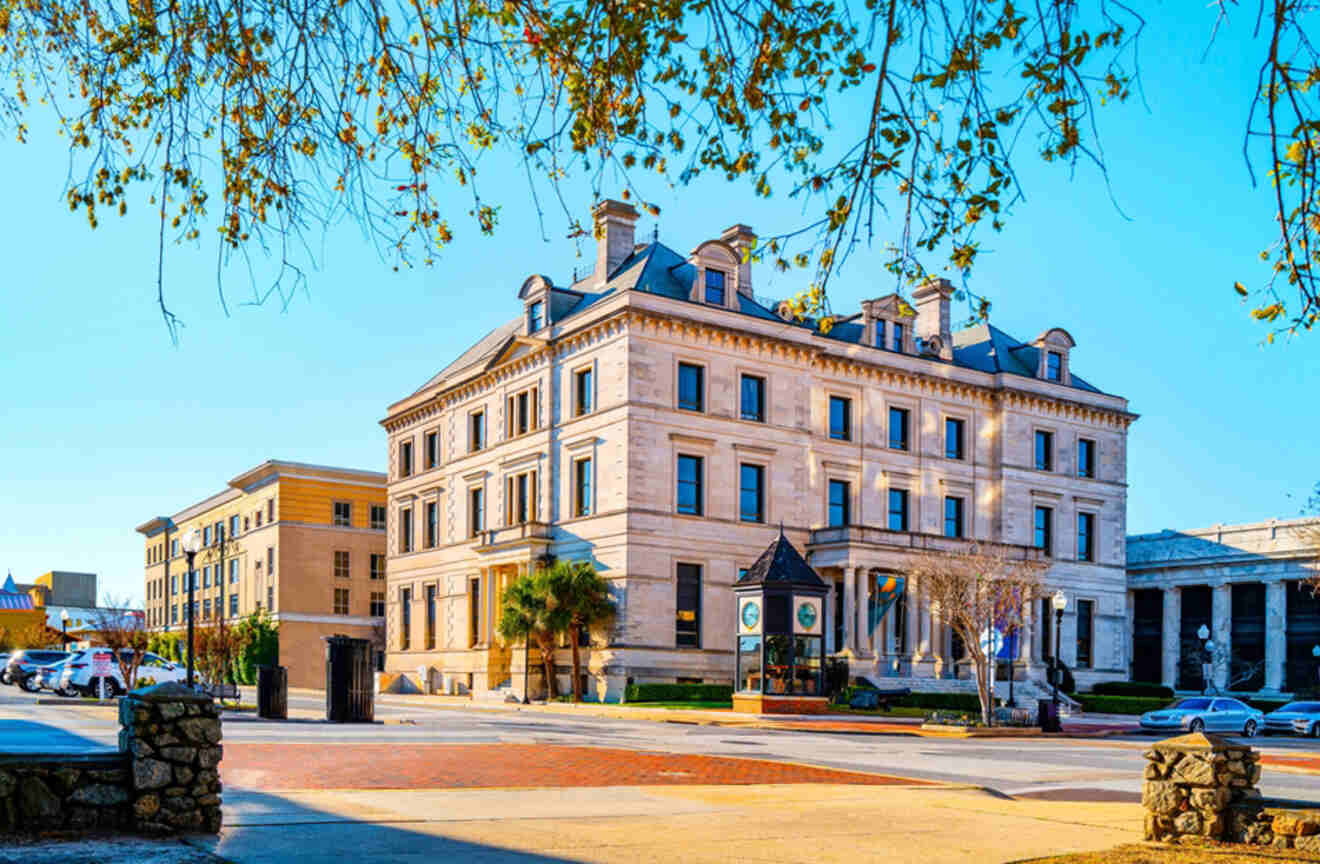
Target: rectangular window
pixel 432 449
pixel 690 469
pixel 840 504
pixel 206 608
pixel 377 604
pixel 522 413
pixel 953 516
pixel 174 584
pixel 582 392
pixel 582 487
pixel 1053 366
pixel 233 605
pixel 378 517
pixel 432 524
pixel 520 493
pixel 343 514
pixel 898 509
pixel 342 570
pixel 1044 451
pixel 880 333
pixel 1085 614
pixel 715 282
pixel 233 571
pixel 233 526
pixel 430 617
pixel 258 514
pixel 1044 534
pixel 341 601
pixel 691 387
pixel 840 418
pixel 477 431
pixel 405 618
pixel 898 337
pixel 174 614
pixel 953 438
pixel 218 532
pixel 898 428
pixel 270 510
pixel 753 398
pixel 1085 458
pixel 476 511
pixel 377 565
pixel 270 560
pixel 1085 536
pixel 687 623
pixel 174 548
pixel 405 530
pixel 751 493
pixel 270 598
pixel 206 535
pixel 206 576
pixel 535 316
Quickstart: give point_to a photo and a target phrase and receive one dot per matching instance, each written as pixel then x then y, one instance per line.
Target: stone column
pixel 1130 612
pixel 1276 634
pixel 1221 630
pixel 849 610
pixel 172 737
pixel 864 635
pixel 1170 649
pixel 830 647
pixel 912 597
pixel 1027 634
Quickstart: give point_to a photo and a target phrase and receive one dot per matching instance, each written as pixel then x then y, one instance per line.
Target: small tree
pixel 216 648
pixel 973 591
pixel 582 600
pixel 124 632
pixel 525 615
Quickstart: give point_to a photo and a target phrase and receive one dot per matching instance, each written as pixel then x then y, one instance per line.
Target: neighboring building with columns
pixel 659 419
pixel 1246 584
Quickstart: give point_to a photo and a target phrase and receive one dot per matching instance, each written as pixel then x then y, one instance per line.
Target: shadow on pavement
pixel 25 736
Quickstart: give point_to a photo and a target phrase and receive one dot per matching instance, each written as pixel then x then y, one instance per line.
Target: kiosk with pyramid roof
pixel 780 648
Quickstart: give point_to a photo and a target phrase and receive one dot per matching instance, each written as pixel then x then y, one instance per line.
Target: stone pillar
pixel 849 610
pixel 864 635
pixel 926 645
pixel 1276 634
pixel 1130 613
pixel 1221 630
pixel 1027 634
pixel 830 647
pixel 912 597
pixel 172 736
pixel 1196 787
pixel 1171 650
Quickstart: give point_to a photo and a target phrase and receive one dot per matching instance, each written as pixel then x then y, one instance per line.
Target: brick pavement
pixel 255 765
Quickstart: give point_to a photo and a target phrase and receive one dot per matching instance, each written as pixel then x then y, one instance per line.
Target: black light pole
pixel 1059 602
pixel 192 542
pixel 220 538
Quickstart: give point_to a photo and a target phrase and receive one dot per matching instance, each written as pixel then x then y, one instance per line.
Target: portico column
pixel 1276 634
pixel 863 610
pixel 830 647
pixel 1130 613
pixel 927 645
pixel 1221 606
pixel 1170 649
pixel 849 610
pixel 913 622
pixel 1026 633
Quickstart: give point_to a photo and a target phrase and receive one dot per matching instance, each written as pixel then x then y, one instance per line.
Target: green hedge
pixel 1132 688
pixel 1266 705
pixel 1120 704
pixel 929 701
pixel 678 693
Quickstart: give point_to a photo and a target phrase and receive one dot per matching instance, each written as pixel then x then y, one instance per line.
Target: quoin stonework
pixel 658 418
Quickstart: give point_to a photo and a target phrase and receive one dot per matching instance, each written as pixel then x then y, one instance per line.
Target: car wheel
pixel 67 692
pixel 29 684
pixel 1197 725
pixel 1250 729
pixel 1314 731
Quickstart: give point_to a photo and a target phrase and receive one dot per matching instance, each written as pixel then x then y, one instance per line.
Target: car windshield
pixel 1193 705
pixel 1302 707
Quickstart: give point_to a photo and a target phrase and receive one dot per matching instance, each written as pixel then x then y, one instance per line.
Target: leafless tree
pixel 973 590
pixel 124 632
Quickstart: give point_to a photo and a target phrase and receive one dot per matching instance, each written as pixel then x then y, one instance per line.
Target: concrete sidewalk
pixel 632 825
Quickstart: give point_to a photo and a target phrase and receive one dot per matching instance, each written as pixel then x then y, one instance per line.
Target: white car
pixel 80 673
pixel 52 678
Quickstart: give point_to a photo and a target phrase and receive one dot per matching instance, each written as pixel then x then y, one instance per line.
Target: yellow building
pixel 18 609
pixel 306 543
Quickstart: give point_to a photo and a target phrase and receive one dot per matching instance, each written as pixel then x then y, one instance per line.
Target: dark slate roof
pixel 781 564
pixel 654 268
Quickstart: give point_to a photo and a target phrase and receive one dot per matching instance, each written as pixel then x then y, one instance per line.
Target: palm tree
pixel 525 615
pixel 580 599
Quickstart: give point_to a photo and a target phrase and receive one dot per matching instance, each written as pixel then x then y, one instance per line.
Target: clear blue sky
pixel 107 424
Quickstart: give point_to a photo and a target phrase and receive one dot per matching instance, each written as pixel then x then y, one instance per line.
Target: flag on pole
pixel 888 591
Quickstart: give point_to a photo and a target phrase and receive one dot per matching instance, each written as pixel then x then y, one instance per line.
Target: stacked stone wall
pixel 64 793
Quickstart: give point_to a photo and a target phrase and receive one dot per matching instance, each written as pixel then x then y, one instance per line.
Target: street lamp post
pixel 64 628
pixel 192 544
pixel 1315 652
pixel 1059 602
pixel 1203 633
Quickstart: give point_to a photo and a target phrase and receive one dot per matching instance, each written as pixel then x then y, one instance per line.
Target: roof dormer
pixel 887 324
pixel 535 294
pixel 1052 363
pixel 716 265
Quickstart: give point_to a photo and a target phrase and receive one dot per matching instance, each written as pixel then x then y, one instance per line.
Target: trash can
pixel 1048 713
pixel 349 680
pixel 273 692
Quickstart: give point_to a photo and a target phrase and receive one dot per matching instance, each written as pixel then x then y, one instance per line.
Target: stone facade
pixel 1246 585
pixel 64 793
pixel 589 381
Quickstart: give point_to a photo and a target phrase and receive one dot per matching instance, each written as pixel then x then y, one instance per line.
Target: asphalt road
pixel 1095 769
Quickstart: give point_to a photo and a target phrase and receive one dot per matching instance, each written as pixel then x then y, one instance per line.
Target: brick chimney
pixel 933 317
pixel 742 239
pixel 614 224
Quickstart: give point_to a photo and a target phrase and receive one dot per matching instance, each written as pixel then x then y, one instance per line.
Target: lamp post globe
pixel 1059 601
pixel 1203 632
pixel 64 627
pixel 191 543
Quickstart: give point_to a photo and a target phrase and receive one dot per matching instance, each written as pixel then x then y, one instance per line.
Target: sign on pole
pixel 101 670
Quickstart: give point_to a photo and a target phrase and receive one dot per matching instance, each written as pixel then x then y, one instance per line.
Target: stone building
pixel 658 419
pixel 305 543
pixel 1246 585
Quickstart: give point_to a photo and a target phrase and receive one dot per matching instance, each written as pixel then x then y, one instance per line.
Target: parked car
pixel 1283 721
pixel 79 675
pixel 50 677
pixel 23 665
pixel 1205 714
pixel 4 668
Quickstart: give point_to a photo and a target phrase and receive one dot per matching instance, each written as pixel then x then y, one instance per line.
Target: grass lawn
pixel 898 711
pixel 696 706
pixel 1141 854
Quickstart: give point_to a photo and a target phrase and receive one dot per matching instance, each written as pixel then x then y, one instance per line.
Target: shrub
pixel 1102 704
pixel 261 647
pixel 1132 688
pixel 679 693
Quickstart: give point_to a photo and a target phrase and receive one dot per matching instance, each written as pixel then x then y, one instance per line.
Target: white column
pixel 849 610
pixel 1276 634
pixel 830 647
pixel 927 645
pixel 864 644
pixel 1171 649
pixel 1130 611
pixel 1221 619
pixel 912 598
pixel 1026 633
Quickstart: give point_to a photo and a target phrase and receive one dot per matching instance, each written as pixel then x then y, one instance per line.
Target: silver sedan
pixel 1205 714
pixel 1300 717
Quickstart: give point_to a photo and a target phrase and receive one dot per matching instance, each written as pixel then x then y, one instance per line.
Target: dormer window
pixel 715 282
pixel 1052 348
pixel 535 316
pixel 898 338
pixel 880 332
pixel 1053 366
